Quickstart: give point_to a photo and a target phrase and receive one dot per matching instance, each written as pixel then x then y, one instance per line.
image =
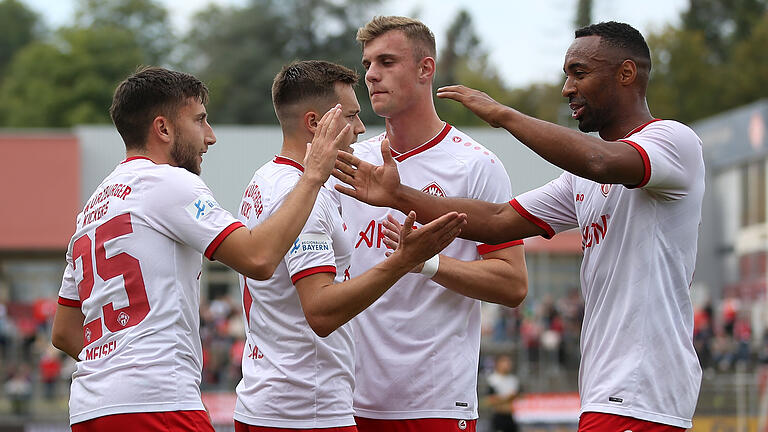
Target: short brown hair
pixel 415 30
pixel 305 80
pixel 148 93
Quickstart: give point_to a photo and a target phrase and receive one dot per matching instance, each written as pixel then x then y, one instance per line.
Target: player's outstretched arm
pixel 327 306
pixel 256 253
pixel 67 331
pixel 380 186
pixel 608 162
pixel 499 277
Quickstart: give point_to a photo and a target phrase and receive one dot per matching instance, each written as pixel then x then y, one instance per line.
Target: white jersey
pixel 133 267
pixel 418 345
pixel 293 378
pixel 639 248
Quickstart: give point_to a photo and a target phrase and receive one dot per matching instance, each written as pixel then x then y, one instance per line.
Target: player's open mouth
pixel 577 109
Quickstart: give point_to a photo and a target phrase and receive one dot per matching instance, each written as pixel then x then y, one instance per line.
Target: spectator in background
pixel 504 387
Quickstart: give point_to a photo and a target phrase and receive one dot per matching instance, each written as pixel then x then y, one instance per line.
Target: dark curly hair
pixel 622 36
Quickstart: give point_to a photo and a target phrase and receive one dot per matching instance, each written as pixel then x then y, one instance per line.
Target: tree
pixel 723 22
pixel 463 60
pixel 239 50
pixel 17 28
pixel 583 13
pixel 69 82
pixel 146 20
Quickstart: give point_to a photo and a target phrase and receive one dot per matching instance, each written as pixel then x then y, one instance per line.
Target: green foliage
pixel 708 67
pixel 238 51
pixel 723 23
pixel 17 29
pixel 70 82
pixel 147 20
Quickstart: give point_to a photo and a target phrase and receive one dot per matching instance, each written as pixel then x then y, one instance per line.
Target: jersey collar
pixel 132 158
pixel 281 160
pixel 639 128
pixel 424 147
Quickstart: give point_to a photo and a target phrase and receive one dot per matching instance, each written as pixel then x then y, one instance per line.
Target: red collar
pixel 286 161
pixel 639 128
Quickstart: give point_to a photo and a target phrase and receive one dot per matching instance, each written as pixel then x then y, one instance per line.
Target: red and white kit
pixel 292 378
pixel 639 247
pixel 133 267
pixel 418 345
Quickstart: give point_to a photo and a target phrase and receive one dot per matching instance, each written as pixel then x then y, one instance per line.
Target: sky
pixel 526 39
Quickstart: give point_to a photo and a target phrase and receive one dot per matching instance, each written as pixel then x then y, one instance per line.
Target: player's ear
pixel 161 129
pixel 310 121
pixel 427 69
pixel 627 73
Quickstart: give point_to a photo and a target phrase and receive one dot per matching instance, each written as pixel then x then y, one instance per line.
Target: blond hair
pixel 415 31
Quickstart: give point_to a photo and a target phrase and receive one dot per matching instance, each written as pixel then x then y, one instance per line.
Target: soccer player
pixel 635 193
pixel 417 347
pixel 129 298
pixel 298 363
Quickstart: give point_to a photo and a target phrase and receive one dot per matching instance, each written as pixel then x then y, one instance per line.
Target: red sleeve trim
pixel 311 271
pixel 486 248
pixel 220 238
pixel 646 164
pixel 549 232
pixel 69 302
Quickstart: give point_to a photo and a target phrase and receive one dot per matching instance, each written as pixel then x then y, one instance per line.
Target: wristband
pixel 430 266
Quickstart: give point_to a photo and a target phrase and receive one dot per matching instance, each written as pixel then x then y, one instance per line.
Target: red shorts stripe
pixel 599 422
pixel 415 425
pixel 165 421
pixel 242 427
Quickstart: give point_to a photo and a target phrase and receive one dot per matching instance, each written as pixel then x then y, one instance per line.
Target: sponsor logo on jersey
pixel 201 206
pixel 311 243
pixel 434 189
pixel 604 189
pixel 373 234
pixel 592 234
pixel 123 318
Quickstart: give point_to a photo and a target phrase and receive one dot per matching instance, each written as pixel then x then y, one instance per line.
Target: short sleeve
pixel 182 207
pixel 312 252
pixel 489 182
pixel 68 295
pixel 671 154
pixel 551 206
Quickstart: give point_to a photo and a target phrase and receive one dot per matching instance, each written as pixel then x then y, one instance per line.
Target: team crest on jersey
pixel 123 318
pixel 201 206
pixel 434 189
pixel 604 189
pixel 311 243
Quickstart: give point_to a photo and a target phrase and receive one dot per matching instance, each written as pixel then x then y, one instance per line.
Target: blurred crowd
pixel 542 336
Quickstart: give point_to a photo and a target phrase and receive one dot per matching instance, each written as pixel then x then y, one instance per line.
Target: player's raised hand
pixel 478 102
pixel 418 245
pixel 392 228
pixel 373 184
pixel 331 134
